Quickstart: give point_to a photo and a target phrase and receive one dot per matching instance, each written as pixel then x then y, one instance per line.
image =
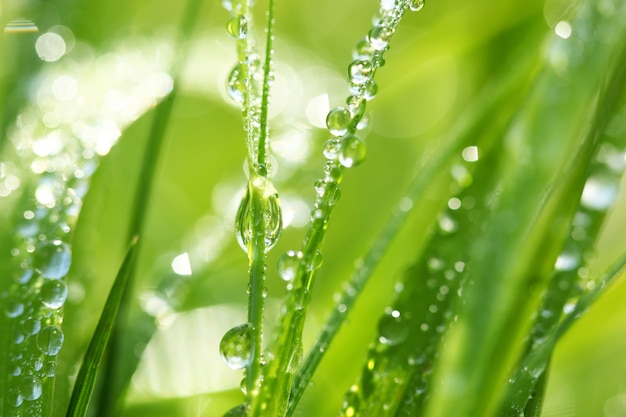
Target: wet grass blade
pixel 86 379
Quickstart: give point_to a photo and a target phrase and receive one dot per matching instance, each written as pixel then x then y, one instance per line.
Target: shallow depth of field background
pixel 439 60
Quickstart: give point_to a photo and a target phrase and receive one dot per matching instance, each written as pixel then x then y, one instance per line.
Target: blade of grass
pixel 463 134
pixel 115 380
pixel 513 257
pixel 86 379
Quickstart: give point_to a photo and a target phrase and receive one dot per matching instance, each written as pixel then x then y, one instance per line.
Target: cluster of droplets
pixel 56 143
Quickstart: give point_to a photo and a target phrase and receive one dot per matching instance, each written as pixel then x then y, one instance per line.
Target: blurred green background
pixel 439 60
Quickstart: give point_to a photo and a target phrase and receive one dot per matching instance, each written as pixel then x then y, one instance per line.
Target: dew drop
pixel 370 89
pixel 32 326
pixel 30 387
pixel 236 84
pixel 387 4
pixel 360 71
pixel 351 402
pixel 272 216
pixel 338 121
pixel 53 294
pixel 237 411
pixel 13 309
pixel 314 261
pixel 599 193
pixel 416 5
pixel 331 149
pixel 49 340
pixel 379 37
pixel 363 50
pixel 53 260
pixel 288 265
pixel 356 104
pixel 14 397
pixel 353 151
pixel 237 27
pixel 236 346
pixel 392 330
pixel 364 121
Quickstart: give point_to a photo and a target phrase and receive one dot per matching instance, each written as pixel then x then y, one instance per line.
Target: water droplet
pixel 356 104
pixel 379 37
pixel 53 260
pixel 360 71
pixel 370 89
pixel 567 261
pixel 353 151
pixel 338 121
pixel 30 387
pixel 331 149
pixel 363 50
pixel 13 308
pixel 237 411
pixel 236 346
pixel 288 265
pixel 49 340
pixel 447 224
pixel 387 4
pixel 31 326
pixel 364 121
pixel 392 330
pixel 416 5
pixel 351 402
pixel 237 27
pixel 272 216
pixel 333 172
pixel 599 193
pixel 236 85
pixel 53 294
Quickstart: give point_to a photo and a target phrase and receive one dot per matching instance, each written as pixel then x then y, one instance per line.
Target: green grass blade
pixel 462 135
pixel 86 379
pixel 512 258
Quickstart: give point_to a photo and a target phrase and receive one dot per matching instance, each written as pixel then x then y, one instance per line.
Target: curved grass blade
pixel 463 134
pixel 86 379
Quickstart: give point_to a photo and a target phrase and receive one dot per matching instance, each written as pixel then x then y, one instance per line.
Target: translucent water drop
pixel 227 4
pixel 333 172
pixel 363 50
pixel 392 330
pixel 13 309
pixel 379 37
pixel 53 260
pixel 416 5
pixel 243 385
pixel 288 265
pixel 353 151
pixel 567 261
pixel 236 346
pixel 338 121
pixel 272 216
pixel 237 411
pixel 360 71
pixel 314 261
pixel 53 294
pixel 356 104
pixel 351 402
pixel 237 27
pixel 331 149
pixel 236 85
pixel 50 340
pixel 387 4
pixel 14 397
pixel 31 326
pixel 370 89
pixel 24 277
pixel 30 387
pixel 599 193
pixel 447 224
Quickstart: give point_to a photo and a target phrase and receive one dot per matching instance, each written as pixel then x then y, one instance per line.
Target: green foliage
pixel 472 235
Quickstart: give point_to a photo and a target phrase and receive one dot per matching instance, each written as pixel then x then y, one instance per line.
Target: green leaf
pixel 86 379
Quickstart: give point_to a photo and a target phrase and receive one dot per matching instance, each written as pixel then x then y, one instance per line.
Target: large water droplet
pixel 331 149
pixel 53 260
pixel 360 71
pixel 236 346
pixel 53 294
pixel 237 27
pixel 379 37
pixel 338 121
pixel 599 193
pixel 363 50
pixel 288 265
pixel 237 411
pixel 370 89
pixel 392 329
pixel 272 216
pixel 353 151
pixel 416 5
pixel 49 340
pixel 30 387
pixel 236 84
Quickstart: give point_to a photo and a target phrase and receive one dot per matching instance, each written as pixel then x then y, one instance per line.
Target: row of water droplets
pixel 76 117
pixel 248 86
pixel 397 363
